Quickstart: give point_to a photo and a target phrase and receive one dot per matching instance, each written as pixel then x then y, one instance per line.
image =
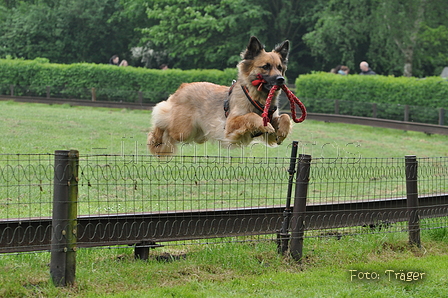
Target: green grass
pixel 222 270
pixel 38 128
pixel 243 270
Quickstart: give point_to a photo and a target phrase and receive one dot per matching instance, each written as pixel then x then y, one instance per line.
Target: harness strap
pixel 227 101
pixel 259 106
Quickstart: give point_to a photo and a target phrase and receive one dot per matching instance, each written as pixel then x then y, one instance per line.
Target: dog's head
pixel 258 64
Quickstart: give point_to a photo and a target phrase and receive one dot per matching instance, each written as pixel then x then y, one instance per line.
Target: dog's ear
pixel 283 50
pixel 254 48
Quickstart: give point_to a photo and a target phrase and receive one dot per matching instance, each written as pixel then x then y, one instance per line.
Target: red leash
pixel 292 100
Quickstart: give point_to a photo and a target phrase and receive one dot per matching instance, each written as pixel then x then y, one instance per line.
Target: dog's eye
pixel 266 66
pixel 280 68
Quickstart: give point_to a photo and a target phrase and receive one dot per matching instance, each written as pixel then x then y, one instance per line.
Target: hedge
pixel 384 96
pixel 355 94
pixel 430 92
pixel 111 82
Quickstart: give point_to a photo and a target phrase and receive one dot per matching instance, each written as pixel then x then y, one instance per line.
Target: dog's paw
pixel 284 127
pixel 281 138
pixel 261 130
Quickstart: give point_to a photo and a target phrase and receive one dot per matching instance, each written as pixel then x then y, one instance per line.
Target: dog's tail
pixel 159 140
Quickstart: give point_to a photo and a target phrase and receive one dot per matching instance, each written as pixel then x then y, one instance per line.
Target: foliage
pixel 202 33
pixel 65 31
pixel 339 37
pixel 431 91
pixel 433 55
pixel 191 34
pixel 211 34
pixel 112 82
pixel 386 33
pixel 319 90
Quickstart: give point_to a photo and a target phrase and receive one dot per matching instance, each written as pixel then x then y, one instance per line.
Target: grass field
pixel 230 269
pixel 37 128
pixel 246 270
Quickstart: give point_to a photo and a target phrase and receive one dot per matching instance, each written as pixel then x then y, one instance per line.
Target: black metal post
pixel 299 209
pixel 283 235
pixel 412 199
pixel 48 91
pixel 406 113
pixel 374 110
pixel 140 97
pixel 64 220
pixel 336 106
pixel 441 116
pixel 141 251
pixel 93 91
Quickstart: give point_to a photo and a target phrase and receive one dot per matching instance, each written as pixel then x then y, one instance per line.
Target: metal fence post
pixel 412 199
pixel 406 113
pixel 93 91
pixel 336 106
pixel 299 209
pixel 441 116
pixel 374 110
pixel 140 97
pixel 64 220
pixel 283 235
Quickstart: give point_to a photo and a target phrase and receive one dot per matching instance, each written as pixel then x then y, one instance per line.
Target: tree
pixel 212 33
pixel 341 33
pixel 432 54
pixel 399 23
pixel 65 31
pixel 387 33
pixel 203 34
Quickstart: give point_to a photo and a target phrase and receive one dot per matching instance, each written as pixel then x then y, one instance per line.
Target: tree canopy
pixel 396 37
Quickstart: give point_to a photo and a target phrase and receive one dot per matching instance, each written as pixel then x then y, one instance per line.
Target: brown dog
pixel 202 111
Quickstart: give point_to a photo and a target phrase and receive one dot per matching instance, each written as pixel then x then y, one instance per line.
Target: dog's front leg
pixel 283 127
pixel 242 129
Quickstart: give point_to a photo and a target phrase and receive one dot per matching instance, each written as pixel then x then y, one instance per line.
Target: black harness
pixel 255 103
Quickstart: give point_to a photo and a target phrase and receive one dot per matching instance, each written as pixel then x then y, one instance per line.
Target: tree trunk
pixel 408 56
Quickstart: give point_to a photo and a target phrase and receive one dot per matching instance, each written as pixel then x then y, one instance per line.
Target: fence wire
pixel 117 184
pixel 136 192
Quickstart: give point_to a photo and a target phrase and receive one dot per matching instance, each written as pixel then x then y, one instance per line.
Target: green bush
pixel 357 94
pixel 431 91
pixel 31 77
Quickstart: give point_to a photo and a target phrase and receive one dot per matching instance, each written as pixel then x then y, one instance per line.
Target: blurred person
pixel 344 70
pixel 115 60
pixel 365 69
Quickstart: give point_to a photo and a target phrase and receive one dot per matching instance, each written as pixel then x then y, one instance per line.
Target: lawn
pixel 249 269
pixel 38 128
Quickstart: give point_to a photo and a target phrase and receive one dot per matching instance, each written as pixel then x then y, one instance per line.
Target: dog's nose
pixel 280 80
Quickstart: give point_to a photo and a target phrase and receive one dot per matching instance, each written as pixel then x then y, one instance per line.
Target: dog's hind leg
pixel 160 143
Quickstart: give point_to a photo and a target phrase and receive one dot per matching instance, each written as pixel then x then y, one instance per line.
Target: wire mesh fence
pixel 26 185
pixel 134 199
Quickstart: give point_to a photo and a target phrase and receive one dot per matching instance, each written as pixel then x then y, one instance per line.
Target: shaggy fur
pixel 195 112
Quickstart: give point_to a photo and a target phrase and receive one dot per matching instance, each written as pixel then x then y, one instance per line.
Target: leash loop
pixel 293 100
